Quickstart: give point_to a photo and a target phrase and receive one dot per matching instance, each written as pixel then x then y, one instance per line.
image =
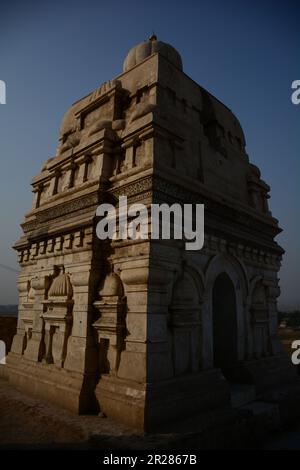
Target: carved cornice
pixel 53 245
pixel 218 215
pixel 61 210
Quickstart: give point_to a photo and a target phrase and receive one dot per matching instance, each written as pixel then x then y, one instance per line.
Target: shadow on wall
pixel 8 327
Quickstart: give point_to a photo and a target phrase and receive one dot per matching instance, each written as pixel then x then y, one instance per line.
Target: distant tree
pixel 281 316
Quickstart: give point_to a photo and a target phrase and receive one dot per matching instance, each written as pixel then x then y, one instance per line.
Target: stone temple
pixel 145 331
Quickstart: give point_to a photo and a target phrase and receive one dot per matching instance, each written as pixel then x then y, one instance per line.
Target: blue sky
pixel 244 52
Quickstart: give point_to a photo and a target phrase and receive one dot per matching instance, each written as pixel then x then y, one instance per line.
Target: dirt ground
pixel 25 421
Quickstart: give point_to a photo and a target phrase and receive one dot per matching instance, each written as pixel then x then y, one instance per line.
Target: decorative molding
pixel 162 190
pixel 61 210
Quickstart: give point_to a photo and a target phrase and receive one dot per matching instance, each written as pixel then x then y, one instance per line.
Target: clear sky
pixel 244 52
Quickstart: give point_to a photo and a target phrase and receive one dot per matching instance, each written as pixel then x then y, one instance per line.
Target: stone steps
pixel 241 394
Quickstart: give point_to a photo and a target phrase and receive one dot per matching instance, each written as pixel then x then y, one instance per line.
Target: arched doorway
pixel 225 340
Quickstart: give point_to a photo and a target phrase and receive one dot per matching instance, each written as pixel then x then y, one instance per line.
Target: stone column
pixel 249 349
pixel 159 348
pixel 34 350
pixel 80 341
pixel 275 343
pixel 130 155
pixel 207 333
pixel 133 363
pixel 122 395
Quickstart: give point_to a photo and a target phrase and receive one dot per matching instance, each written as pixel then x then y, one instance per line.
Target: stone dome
pixel 145 49
pixel 112 286
pixel 61 287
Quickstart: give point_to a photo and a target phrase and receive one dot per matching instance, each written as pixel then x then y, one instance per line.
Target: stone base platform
pixel 71 390
pixel 151 406
pixel 265 373
pixel 30 423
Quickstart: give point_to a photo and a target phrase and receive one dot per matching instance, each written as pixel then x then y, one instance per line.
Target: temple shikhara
pixel 145 331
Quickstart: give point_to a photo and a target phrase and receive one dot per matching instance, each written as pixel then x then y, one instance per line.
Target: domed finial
pixel 153 37
pixel 148 47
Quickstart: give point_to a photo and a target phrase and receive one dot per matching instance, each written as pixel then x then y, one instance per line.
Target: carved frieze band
pixel 61 210
pixel 166 191
pixel 160 190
